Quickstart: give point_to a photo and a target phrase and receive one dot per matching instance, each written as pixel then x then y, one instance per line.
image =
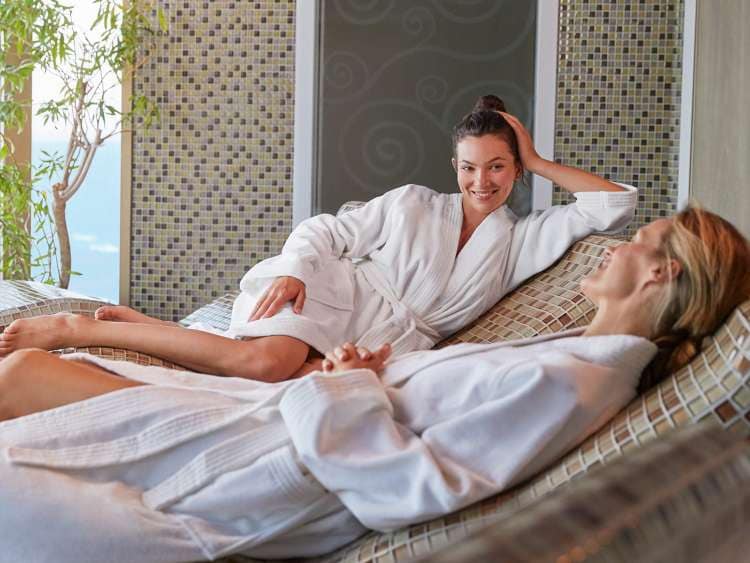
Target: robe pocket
pixel 333 285
pixel 250 505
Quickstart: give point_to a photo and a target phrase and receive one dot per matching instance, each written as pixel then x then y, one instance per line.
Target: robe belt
pixel 227 456
pixel 411 326
pixel 153 440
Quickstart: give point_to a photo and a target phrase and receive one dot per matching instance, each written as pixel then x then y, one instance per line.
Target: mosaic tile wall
pixel 219 165
pixel 618 96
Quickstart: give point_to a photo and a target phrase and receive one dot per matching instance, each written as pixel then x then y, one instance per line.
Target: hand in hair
pixel 530 159
pixel 567 177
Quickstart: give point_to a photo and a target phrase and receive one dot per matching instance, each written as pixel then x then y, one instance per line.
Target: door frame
pixel 686 103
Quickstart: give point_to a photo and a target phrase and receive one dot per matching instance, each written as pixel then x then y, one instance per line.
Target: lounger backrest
pixel 715 385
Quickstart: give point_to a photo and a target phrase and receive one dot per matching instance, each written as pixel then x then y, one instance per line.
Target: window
pixel 93 213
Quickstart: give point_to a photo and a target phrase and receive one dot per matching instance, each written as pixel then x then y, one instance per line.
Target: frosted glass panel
pixel 396 76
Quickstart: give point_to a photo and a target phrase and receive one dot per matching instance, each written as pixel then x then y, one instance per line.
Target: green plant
pixel 26 249
pixel 88 64
pixel 26 31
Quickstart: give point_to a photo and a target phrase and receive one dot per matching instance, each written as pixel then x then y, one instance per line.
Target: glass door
pixel 393 79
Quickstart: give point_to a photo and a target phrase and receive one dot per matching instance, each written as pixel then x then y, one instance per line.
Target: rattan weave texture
pixel 21 299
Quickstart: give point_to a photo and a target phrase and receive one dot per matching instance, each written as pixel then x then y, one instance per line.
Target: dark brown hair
pixel 484 119
pixel 715 278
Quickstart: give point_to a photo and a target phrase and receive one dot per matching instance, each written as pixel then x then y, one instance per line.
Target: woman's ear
pixel 666 271
pixel 454 164
pixel 675 268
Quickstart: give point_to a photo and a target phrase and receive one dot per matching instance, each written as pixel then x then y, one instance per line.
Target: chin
pixel 486 206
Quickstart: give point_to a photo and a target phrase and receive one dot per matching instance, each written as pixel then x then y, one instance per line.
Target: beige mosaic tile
pixel 618 96
pixel 211 189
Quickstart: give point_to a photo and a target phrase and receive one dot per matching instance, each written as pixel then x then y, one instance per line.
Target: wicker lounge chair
pixel 714 386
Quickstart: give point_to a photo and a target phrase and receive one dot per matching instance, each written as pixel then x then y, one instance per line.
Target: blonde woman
pixel 108 461
pixel 409 268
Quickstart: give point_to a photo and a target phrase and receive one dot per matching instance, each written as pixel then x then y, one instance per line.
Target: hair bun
pixel 489 103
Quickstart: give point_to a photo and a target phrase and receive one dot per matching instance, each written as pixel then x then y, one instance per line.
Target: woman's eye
pixel 467 168
pixel 497 167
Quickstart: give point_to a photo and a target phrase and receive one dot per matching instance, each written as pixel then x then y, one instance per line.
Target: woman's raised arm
pixel 567 177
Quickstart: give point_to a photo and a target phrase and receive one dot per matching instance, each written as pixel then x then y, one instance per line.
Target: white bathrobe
pixel 195 466
pixel 388 271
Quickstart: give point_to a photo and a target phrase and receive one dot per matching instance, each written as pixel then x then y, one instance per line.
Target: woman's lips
pixel 483 195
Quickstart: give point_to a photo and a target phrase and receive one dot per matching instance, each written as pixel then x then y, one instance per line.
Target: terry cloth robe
pixel 195 466
pixel 388 271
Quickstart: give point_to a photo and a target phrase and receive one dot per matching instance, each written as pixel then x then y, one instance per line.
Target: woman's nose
pixel 482 178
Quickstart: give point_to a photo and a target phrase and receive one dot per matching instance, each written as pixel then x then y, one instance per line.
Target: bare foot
pixel 123 314
pixel 49 332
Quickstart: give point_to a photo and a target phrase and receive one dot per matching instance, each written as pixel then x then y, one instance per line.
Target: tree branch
pixel 83 170
pixel 73 140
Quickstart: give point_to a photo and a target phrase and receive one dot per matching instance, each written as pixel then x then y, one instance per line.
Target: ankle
pixel 80 330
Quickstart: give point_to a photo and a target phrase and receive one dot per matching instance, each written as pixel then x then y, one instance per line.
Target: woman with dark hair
pixel 109 461
pixel 410 267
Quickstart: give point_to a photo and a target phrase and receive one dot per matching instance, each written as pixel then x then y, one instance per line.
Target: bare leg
pixel 121 313
pixel 35 380
pixel 271 358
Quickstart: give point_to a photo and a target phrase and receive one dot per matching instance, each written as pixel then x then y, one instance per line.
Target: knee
pixel 16 372
pixel 277 366
pixel 19 362
pixel 270 360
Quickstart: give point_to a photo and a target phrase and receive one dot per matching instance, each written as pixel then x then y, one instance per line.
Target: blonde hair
pixel 714 279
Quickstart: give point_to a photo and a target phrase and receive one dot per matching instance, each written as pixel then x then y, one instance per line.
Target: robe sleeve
pixel 388 476
pixel 320 239
pixel 542 237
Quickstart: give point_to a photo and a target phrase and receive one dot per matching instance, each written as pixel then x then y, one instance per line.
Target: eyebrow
pixel 464 161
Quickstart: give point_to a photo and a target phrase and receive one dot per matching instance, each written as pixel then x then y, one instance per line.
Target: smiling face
pixel 630 267
pixel 485 169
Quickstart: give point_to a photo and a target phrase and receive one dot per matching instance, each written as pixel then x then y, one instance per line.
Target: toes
pixel 103 313
pixel 13 328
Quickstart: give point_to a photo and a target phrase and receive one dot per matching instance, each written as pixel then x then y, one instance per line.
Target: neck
pixel 471 218
pixel 621 318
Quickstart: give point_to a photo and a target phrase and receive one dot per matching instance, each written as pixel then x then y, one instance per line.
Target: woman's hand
pixel 567 177
pixel 530 159
pixel 280 292
pixel 347 356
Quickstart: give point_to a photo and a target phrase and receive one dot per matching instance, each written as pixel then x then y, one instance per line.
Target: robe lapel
pixel 445 235
pixel 491 236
